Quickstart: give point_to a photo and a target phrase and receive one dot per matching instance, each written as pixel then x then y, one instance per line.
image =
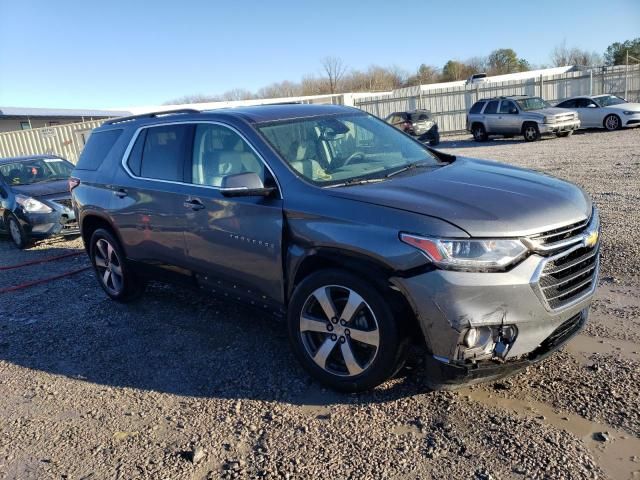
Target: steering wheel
pixel 351 157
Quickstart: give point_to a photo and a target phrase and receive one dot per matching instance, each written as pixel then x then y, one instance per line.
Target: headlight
pixel 629 112
pixel 32 205
pixel 470 255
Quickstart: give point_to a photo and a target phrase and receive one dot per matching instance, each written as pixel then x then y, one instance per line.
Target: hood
pixel 634 107
pixel 42 189
pixel 552 111
pixel 486 199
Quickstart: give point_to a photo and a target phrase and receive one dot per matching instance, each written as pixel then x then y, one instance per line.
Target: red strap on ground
pixel 43 280
pixel 42 260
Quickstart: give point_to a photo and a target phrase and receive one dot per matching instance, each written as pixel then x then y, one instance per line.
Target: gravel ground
pixel 180 385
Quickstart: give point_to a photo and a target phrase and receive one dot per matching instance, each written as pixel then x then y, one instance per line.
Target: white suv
pixel 519 115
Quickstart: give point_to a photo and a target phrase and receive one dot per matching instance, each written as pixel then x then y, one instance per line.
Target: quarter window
pixel 492 107
pixel 218 152
pixel 477 107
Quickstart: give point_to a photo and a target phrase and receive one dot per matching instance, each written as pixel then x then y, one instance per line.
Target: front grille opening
pixel 562 233
pixel 570 276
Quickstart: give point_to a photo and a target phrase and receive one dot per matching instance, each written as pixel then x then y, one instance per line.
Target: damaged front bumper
pixel 481 325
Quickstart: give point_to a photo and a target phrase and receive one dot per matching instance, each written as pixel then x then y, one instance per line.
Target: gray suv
pixel 519 115
pixel 366 240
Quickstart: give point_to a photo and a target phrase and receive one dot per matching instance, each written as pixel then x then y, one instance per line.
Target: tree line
pixel 336 77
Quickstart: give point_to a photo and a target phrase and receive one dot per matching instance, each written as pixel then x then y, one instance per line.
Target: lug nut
pixel 342 322
pixel 342 339
pixel 334 337
pixel 329 327
pixel 347 331
pixel 334 320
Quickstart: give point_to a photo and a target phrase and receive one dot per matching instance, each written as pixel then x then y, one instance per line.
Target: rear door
pixel 149 191
pixel 234 244
pixel 490 115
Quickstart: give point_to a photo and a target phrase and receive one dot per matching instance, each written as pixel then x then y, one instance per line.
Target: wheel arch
pixel 90 222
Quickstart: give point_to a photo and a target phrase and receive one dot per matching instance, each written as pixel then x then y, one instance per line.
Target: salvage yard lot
pixel 93 389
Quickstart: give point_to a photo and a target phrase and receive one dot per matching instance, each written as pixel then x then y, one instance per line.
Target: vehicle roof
pixel 251 114
pixel 508 97
pixel 27 157
pixel 591 96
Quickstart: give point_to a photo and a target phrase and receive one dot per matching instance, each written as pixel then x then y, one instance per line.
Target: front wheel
pixel 113 274
pixel 612 122
pixel 17 233
pixel 530 132
pixel 343 332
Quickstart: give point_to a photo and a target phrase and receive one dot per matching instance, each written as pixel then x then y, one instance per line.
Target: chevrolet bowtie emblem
pixel 591 239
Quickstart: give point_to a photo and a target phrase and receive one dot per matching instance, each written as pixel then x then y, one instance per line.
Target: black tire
pixel 332 338
pixel 530 132
pixel 19 237
pixel 612 122
pixel 565 134
pixel 112 272
pixel 479 132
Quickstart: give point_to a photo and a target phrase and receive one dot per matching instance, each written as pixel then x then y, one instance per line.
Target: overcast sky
pixel 85 54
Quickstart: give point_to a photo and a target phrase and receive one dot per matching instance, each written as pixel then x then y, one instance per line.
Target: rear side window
pixel 159 152
pixel 97 149
pixel 477 107
pixel 492 107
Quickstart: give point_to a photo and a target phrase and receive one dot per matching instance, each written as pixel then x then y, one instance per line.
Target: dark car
pixel 365 239
pixel 35 202
pixel 417 123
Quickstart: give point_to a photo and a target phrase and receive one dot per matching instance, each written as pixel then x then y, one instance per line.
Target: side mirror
pixel 592 105
pixel 246 184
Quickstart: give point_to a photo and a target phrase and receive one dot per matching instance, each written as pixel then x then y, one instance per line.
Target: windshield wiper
pixel 409 166
pixel 356 181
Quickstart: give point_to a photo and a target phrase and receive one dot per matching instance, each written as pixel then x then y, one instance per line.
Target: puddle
pixel 583 346
pixel 619 457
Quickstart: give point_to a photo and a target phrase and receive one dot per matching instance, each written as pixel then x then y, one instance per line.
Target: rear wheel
pixel 479 132
pixel 343 332
pixel 530 132
pixel 17 233
pixel 114 276
pixel 612 122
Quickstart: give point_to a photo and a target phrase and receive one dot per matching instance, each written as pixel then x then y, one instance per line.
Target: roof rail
pixel 150 115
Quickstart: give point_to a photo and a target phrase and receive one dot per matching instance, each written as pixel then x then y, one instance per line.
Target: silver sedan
pixel 604 111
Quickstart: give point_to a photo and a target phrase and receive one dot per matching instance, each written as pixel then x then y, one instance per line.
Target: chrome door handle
pixel 193 204
pixel 121 192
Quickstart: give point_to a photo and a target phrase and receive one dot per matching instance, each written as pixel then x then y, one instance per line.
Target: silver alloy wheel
pixel 530 132
pixel 612 122
pixel 109 266
pixel 334 316
pixel 14 229
pixel 477 133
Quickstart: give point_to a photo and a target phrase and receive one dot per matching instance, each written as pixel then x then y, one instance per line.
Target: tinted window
pixel 584 103
pixel 567 104
pixel 164 152
pixel 97 149
pixel 477 107
pixel 219 151
pixel 492 107
pixel 507 106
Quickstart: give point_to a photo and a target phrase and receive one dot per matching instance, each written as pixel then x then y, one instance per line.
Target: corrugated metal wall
pixel 450 105
pixel 64 140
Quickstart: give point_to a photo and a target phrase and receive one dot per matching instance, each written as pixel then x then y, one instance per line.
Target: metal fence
pixel 64 140
pixel 450 105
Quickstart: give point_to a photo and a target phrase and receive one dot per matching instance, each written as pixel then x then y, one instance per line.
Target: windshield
pixel 331 150
pixel 26 172
pixel 608 100
pixel 532 103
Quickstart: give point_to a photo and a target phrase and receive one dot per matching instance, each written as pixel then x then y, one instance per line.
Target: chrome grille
pixel 570 272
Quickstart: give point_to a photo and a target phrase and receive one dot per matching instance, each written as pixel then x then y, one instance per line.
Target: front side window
pixel 218 152
pixel 331 150
pixel 26 172
pixel 585 103
pixel 568 104
pixel 161 154
pixel 532 103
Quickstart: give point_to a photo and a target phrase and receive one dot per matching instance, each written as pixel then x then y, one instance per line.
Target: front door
pixel 589 112
pixel 508 117
pixel 233 244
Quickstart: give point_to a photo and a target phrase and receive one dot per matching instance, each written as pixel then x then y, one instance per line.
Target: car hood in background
pixel 552 111
pixel 42 189
pixel 634 107
pixel 486 199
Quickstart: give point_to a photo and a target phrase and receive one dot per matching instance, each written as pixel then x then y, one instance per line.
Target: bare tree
pixel 335 69
pixel 237 94
pixel 280 89
pixel 197 98
pixel 563 56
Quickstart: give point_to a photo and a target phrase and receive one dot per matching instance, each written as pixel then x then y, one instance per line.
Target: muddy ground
pixel 93 389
